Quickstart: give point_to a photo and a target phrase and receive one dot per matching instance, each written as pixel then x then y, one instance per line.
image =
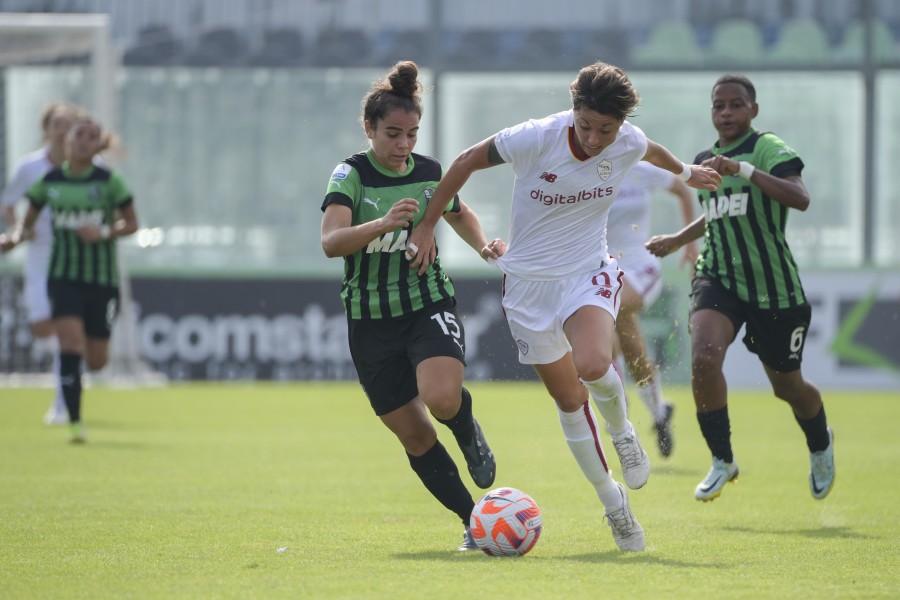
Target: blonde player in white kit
pixel 561 290
pixel 628 227
pixel 55 121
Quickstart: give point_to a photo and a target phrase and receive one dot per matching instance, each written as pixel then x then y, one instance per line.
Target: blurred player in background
pixel 627 229
pixel 91 207
pixel 406 338
pixel 55 121
pixel 561 289
pixel 746 276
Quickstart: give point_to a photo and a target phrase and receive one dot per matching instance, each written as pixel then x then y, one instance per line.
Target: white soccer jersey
pixel 29 171
pixel 628 225
pixel 560 201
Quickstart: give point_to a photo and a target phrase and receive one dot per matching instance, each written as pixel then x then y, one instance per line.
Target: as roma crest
pixel 604 169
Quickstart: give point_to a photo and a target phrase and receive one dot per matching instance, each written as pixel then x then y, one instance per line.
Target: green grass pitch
pixel 298 491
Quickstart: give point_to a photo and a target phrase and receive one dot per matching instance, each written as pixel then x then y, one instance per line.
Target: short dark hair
pixel 398 89
pixel 738 79
pixel 605 89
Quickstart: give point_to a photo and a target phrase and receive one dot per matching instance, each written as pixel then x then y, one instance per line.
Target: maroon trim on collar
pixel 577 152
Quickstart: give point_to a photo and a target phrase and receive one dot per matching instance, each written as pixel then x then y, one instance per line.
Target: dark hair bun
pixel 404 79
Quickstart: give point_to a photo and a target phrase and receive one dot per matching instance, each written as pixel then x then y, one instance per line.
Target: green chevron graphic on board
pixel 845 345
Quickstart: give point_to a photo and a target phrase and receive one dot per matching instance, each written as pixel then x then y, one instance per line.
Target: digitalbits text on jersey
pixel 591 194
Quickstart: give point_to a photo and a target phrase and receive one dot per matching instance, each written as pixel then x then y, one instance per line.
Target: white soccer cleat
pixel 821 472
pixel 719 474
pixel 635 462
pixel 55 416
pixel 626 531
pixel 77 433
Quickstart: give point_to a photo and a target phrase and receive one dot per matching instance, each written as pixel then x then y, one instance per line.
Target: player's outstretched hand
pixel 662 245
pixel 704 178
pixel 494 249
pixel 400 215
pixel 89 234
pixel 420 248
pixel 6 243
pixel 722 165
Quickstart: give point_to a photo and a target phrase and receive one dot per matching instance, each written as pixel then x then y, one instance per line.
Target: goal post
pixel 45 57
pixel 27 38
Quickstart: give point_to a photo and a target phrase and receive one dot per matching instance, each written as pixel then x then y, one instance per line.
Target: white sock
pixel 59 401
pixel 619 362
pixel 50 345
pixel 583 437
pixel 651 395
pixel 609 396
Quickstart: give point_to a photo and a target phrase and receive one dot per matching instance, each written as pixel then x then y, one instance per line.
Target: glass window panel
pixel 229 166
pixel 887 176
pixel 799 107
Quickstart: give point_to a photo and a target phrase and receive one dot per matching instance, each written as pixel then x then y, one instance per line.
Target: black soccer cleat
pixel 663 429
pixel 479 458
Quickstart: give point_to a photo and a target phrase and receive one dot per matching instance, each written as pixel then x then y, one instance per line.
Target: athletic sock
pixel 619 364
pixel 583 437
pixel 816 430
pixel 70 382
pixel 59 399
pixel 609 396
pixel 441 477
pixel 651 396
pixel 716 428
pixel 463 424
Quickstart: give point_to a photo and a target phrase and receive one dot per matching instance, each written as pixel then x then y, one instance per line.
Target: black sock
pixel 816 430
pixel 463 424
pixel 70 379
pixel 441 477
pixel 716 428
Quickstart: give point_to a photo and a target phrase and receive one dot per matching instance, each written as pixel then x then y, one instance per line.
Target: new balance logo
pixel 548 177
pixel 372 202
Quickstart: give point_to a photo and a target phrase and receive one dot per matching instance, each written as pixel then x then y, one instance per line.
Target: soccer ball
pixel 506 522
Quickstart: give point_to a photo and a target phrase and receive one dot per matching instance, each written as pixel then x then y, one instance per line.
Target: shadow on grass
pixel 821 532
pixel 107 424
pixel 96 444
pixel 661 468
pixel 611 556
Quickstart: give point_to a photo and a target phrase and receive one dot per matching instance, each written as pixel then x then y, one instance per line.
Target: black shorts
pixel 96 305
pixel 776 336
pixel 387 351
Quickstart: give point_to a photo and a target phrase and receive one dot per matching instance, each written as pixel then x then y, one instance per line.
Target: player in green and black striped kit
pixel 746 276
pixel 91 207
pixel 406 338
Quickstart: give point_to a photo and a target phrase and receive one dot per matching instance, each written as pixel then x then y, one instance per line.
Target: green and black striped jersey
pixel 90 198
pixel 746 249
pixel 378 281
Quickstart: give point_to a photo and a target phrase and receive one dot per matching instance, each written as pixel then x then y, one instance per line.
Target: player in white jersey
pixel 561 288
pixel 55 121
pixel 628 227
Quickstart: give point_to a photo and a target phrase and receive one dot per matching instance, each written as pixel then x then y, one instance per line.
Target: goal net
pixel 46 58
